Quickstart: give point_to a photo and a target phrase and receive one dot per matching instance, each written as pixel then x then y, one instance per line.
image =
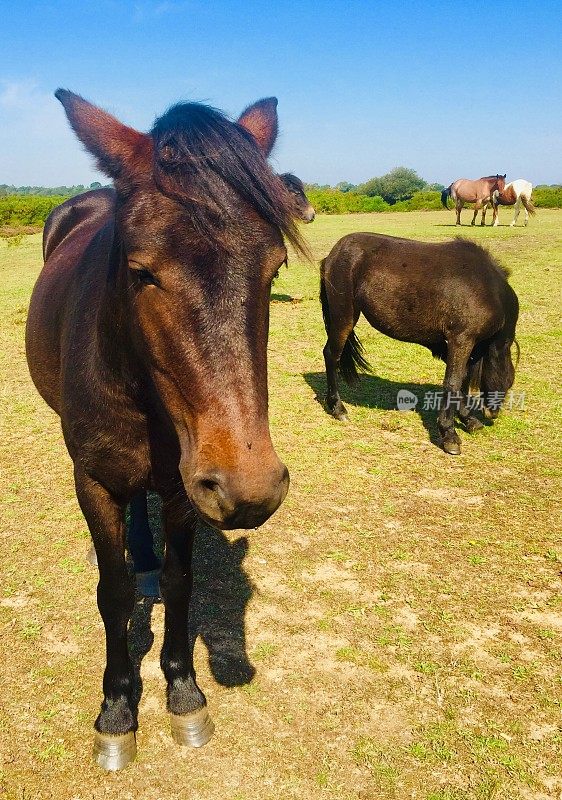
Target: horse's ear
pixel 260 119
pixel 119 150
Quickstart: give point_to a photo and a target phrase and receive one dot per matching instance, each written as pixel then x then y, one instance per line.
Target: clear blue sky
pixel 448 88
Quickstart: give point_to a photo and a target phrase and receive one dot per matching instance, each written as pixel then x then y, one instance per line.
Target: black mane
pixel 197 151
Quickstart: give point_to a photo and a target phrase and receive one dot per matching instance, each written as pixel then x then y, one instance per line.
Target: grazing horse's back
pixel 394 280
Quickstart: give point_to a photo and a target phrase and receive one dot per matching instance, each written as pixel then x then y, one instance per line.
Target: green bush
pixel 332 201
pixel 547 196
pixel 420 201
pixel 18 210
pixel 397 185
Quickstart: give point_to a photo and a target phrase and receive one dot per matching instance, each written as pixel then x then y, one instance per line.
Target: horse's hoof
pixel 338 411
pixel 112 753
pixel 148 583
pixel 491 413
pixel 451 447
pixel 92 557
pixel 192 730
pixel 472 425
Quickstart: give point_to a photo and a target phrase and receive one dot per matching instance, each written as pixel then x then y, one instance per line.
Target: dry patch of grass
pixel 393 632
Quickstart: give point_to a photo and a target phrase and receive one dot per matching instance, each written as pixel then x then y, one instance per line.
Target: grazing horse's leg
pixel 332 352
pixel 496 215
pixel 459 206
pixel 485 208
pixel 191 724
pixel 470 422
pixel 477 207
pixel 114 744
pixel 458 353
pixel 517 209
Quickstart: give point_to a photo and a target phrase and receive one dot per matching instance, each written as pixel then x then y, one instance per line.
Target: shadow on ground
pixel 221 592
pixel 375 392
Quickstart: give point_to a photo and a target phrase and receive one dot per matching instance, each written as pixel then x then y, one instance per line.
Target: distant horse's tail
pixel 352 358
pixel 445 194
pixel 528 203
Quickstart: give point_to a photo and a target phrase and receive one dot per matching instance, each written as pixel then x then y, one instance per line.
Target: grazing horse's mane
pixel 469 244
pixel 197 150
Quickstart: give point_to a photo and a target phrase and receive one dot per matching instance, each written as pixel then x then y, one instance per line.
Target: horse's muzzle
pixel 227 502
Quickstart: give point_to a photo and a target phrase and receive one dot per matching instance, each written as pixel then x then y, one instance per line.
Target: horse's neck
pixel 115 351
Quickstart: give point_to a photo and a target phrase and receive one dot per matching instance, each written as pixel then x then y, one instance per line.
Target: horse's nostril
pixel 210 484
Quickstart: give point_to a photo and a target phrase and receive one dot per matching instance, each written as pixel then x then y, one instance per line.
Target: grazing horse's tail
pixel 445 194
pixel 352 358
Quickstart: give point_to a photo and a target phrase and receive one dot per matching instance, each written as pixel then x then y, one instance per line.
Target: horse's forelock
pixel 197 150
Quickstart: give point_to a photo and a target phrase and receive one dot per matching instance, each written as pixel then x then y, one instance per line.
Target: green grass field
pixel 402 610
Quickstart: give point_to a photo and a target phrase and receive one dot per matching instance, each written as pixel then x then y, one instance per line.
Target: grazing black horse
pixel 451 297
pixel 147 333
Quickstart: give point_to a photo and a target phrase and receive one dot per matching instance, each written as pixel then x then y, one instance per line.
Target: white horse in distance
pixel 517 193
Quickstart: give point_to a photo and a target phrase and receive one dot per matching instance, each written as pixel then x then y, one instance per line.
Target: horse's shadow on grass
pixel 221 592
pixel 375 392
pixel 463 225
pixel 277 297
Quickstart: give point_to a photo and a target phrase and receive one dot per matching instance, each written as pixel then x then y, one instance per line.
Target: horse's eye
pixel 143 277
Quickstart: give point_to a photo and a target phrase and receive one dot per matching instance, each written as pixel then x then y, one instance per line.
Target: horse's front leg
pixel 485 208
pixel 190 720
pixel 477 207
pixel 470 422
pixel 114 743
pixel 458 353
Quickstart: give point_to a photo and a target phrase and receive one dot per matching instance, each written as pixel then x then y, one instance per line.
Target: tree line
pixel 401 189
pixel 47 191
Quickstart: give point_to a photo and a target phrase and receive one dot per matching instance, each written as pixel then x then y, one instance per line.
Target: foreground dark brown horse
pixel 478 192
pixel 451 297
pixel 139 535
pixel 147 334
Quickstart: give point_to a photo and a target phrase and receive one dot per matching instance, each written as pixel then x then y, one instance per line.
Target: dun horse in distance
pixel 147 334
pixel 478 192
pixel 451 297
